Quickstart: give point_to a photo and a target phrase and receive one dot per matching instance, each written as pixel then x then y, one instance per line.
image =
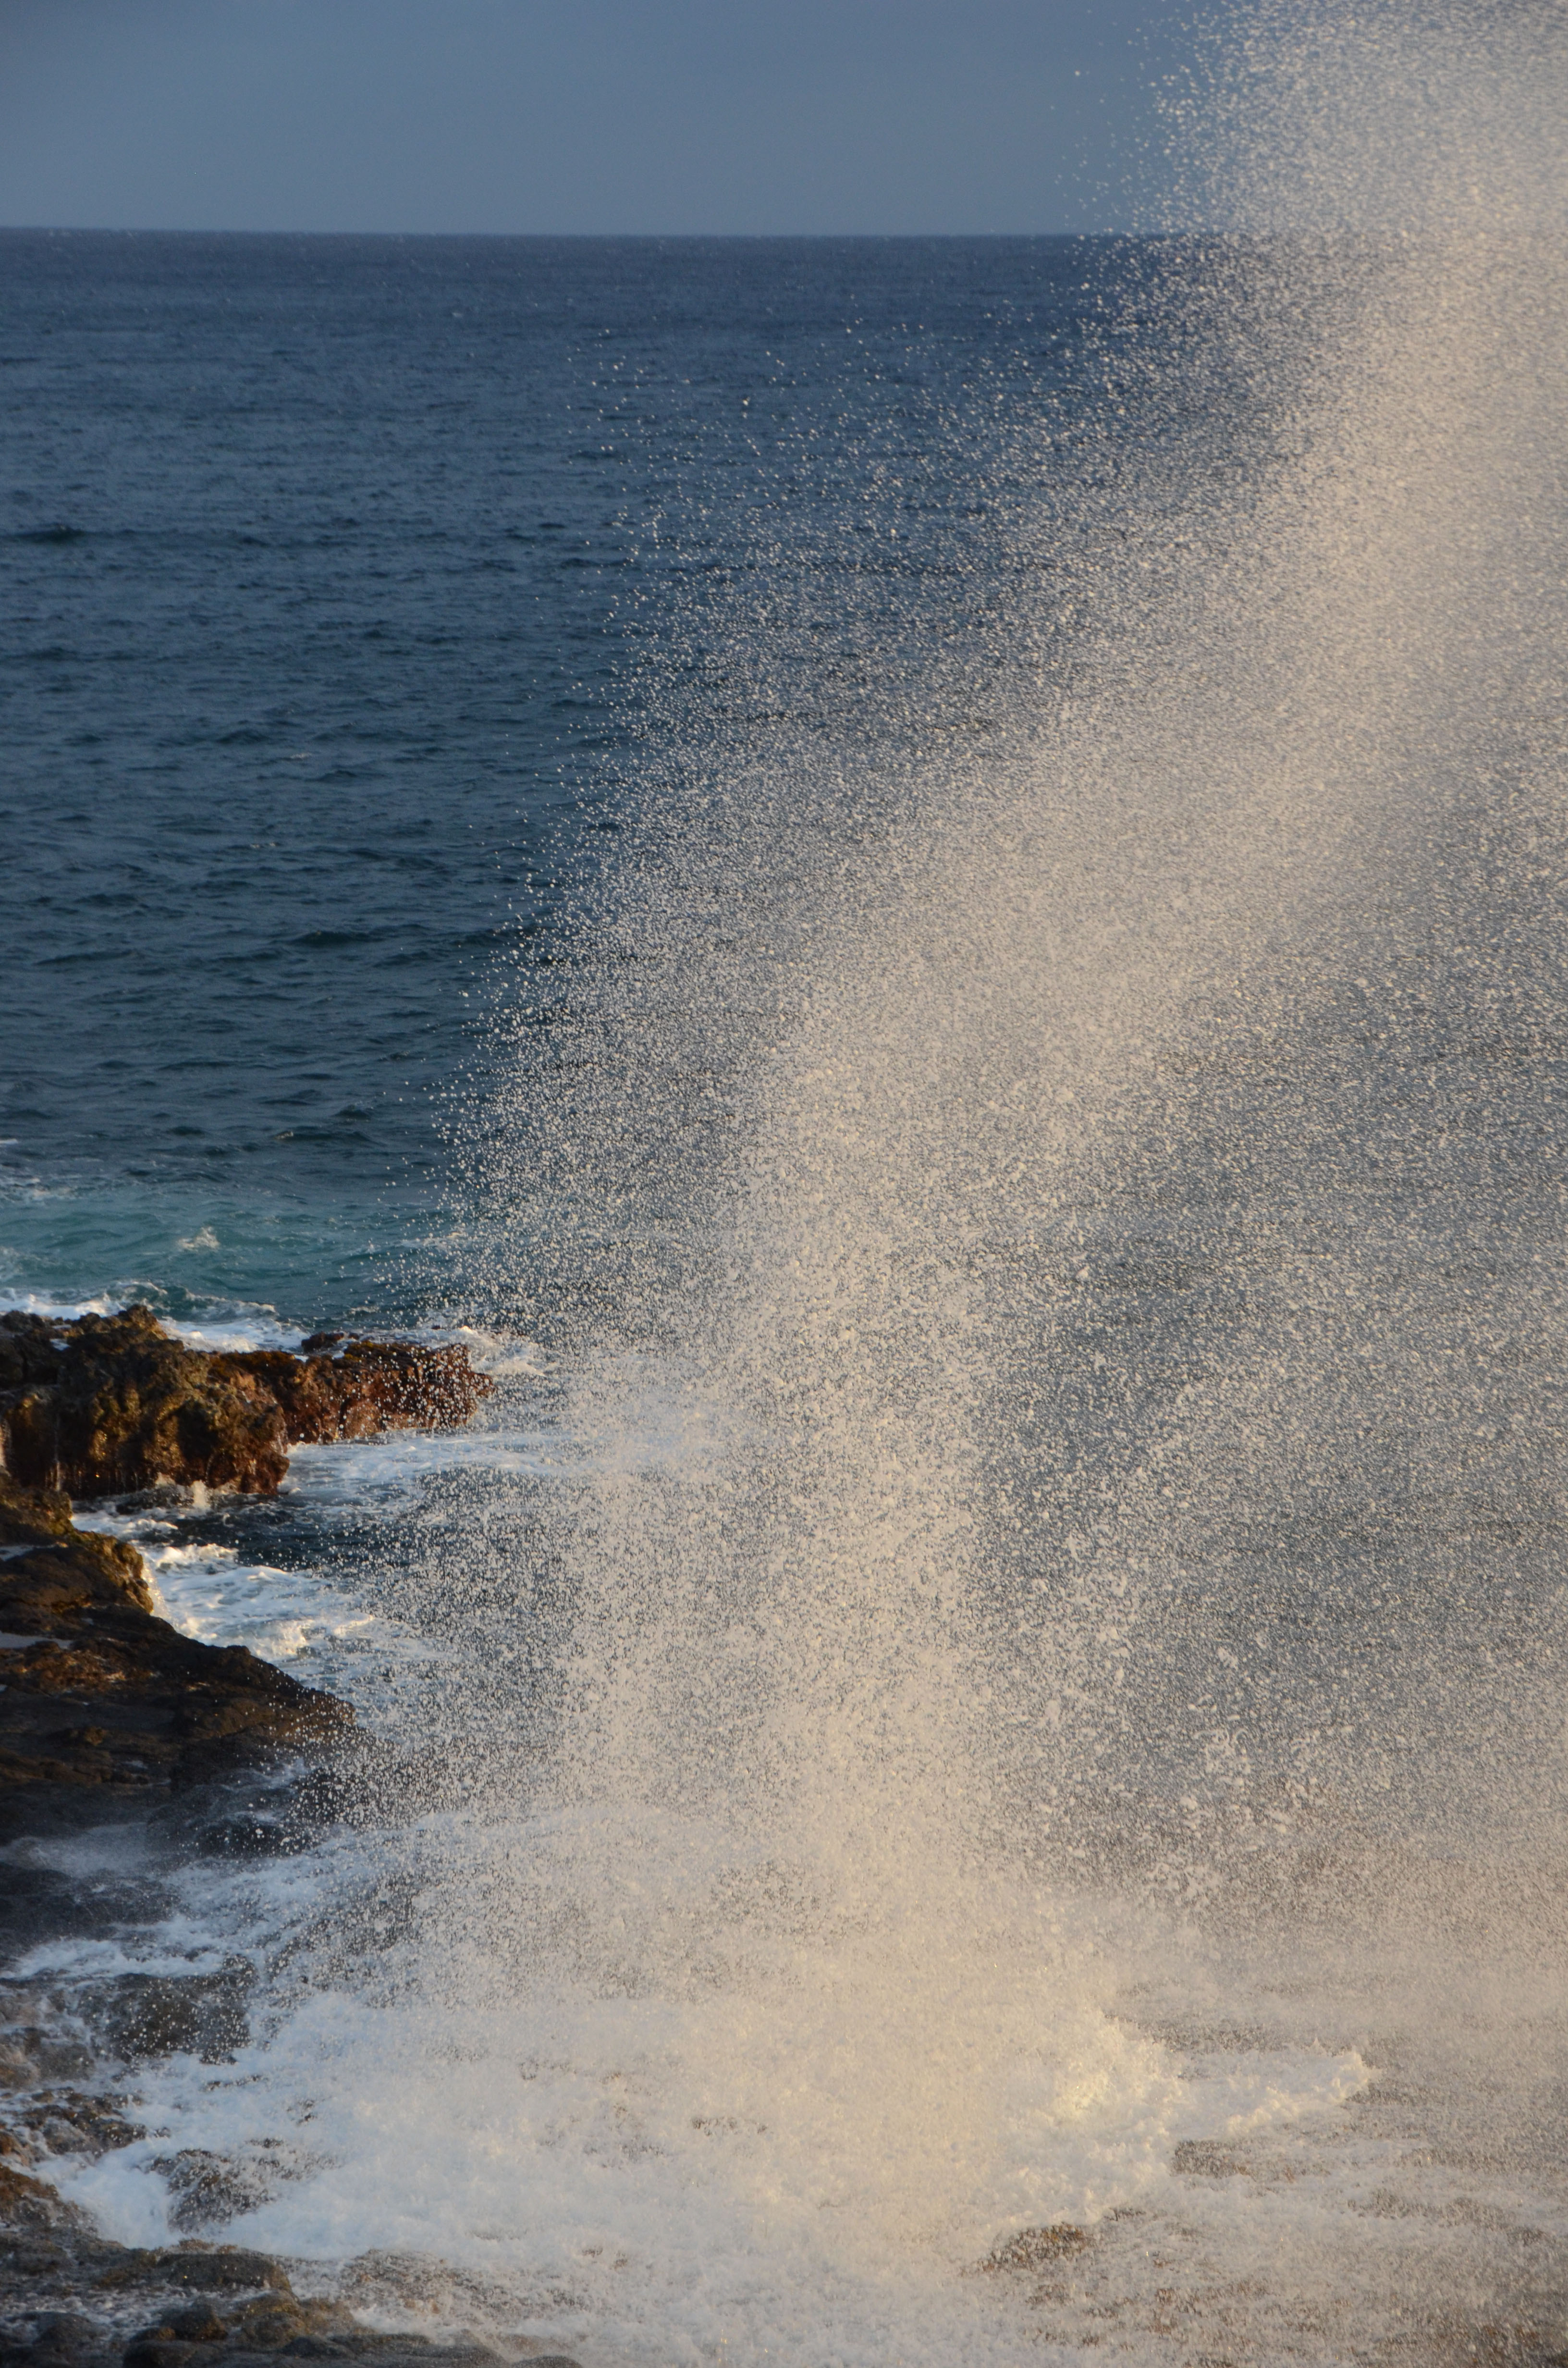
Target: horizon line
pixel 583 237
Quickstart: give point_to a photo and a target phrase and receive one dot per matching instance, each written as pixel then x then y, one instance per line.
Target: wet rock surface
pixel 125 1747
pixel 91 2303
pixel 100 1404
pixel 348 1388
pixel 103 1706
pixel 70 2299
pixel 145 2016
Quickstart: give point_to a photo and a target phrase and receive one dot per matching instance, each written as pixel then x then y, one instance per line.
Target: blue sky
pixel 653 115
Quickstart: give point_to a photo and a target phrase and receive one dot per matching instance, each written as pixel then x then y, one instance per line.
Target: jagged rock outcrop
pixel 98 1694
pixel 110 1402
pixel 98 1403
pixel 345 1388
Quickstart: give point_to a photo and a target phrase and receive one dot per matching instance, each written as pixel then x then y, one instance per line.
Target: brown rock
pixel 210 2188
pixel 32 2205
pixel 1038 2248
pixel 102 1404
pixel 276 2319
pixel 193 2267
pixel 195 2322
pixel 70 2122
pixel 363 1387
pixel 145 2016
pixel 109 1402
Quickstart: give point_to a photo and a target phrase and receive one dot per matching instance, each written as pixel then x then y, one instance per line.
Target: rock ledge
pixel 96 1404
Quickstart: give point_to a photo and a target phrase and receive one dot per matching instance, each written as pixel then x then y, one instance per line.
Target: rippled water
pixel 350 588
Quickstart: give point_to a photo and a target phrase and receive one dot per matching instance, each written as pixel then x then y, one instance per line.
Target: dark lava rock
pixel 112 1402
pixel 103 1702
pixel 38 1903
pixel 145 2016
pixel 61 2338
pixel 197 2323
pixel 195 2269
pixel 32 2206
pixel 30 2055
pixel 217 2306
pixel 279 2326
pixel 70 2121
pixel 102 1404
pixel 359 1388
pixel 210 2187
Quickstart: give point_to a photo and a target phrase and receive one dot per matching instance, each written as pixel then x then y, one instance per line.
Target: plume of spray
pixel 787 1854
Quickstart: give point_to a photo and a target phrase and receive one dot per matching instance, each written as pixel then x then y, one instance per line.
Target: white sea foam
pixel 295 1618
pixel 233 1326
pixel 795 2156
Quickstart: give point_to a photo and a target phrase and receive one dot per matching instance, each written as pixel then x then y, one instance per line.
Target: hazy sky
pixel 581 115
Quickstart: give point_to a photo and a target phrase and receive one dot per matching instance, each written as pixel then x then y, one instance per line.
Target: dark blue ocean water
pixel 350 589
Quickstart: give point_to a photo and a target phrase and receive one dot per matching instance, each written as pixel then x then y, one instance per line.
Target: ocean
pixel 920 886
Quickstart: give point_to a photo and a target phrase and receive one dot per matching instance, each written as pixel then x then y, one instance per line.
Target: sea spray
pixel 837 1678
pixel 849 1636
pixel 1039 1732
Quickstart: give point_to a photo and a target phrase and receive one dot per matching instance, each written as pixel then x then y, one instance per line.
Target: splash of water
pixel 946 1821
pixel 831 1691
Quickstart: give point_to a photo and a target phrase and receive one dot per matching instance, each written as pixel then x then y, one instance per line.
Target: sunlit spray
pixel 885 1927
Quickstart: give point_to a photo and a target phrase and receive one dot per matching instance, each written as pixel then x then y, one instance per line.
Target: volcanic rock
pixel 144 2016
pixel 99 1696
pixel 359 1388
pixel 32 2203
pixel 62 2338
pixel 217 2306
pixel 1038 2248
pixel 210 2188
pixel 99 1404
pixel 112 1402
pixel 195 2269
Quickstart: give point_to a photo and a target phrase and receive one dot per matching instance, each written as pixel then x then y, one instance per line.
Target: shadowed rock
pixel 217 2307
pixel 144 2016
pixel 98 1695
pixel 62 2338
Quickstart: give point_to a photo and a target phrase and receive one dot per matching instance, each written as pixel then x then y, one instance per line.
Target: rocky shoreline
pixel 103 1704
pixel 109 1715
pixel 95 1405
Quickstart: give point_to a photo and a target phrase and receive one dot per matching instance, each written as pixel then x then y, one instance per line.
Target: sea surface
pixel 921 887
pixel 341 580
